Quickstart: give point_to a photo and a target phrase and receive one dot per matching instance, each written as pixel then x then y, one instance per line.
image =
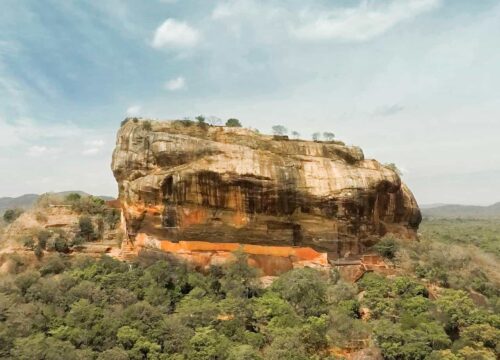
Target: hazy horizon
pixel 413 82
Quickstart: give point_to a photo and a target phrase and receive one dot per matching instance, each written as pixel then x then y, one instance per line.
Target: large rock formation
pixel 185 187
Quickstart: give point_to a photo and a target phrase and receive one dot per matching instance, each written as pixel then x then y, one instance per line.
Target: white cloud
pixel 256 10
pixel 91 151
pixel 222 11
pixel 96 143
pixel 93 147
pixel 389 110
pixel 175 34
pixel 175 84
pixel 133 110
pixel 26 131
pixel 40 150
pixel 37 150
pixel 366 21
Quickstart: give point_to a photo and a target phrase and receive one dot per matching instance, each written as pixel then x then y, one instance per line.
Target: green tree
pixel 484 334
pixel 233 122
pixel 207 344
pixel 456 309
pixel 329 136
pixel 240 279
pixel 53 265
pixel 415 343
pixel 40 347
pixel 243 352
pixel 127 336
pixel 73 197
pixel 25 280
pixel 11 214
pixel 115 353
pixel 43 236
pixel 146 125
pixel 470 353
pixel 279 130
pixel 28 242
pixel 111 218
pixel 61 244
pixel 315 136
pixel 295 134
pixel 387 247
pixel 99 231
pixel 287 345
pixel 393 167
pixel 305 289
pixel 86 228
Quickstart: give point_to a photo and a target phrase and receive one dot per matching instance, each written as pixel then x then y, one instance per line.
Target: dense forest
pixel 442 305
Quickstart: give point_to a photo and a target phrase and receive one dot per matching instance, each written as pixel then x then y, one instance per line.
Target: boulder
pixel 181 182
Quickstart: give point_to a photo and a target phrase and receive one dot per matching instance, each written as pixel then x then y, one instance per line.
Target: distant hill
pixel 27 200
pixel 21 202
pixel 461 211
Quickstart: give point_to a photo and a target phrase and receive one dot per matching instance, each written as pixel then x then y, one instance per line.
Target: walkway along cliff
pixel 200 192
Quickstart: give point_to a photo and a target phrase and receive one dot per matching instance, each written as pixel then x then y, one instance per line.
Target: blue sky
pixel 414 82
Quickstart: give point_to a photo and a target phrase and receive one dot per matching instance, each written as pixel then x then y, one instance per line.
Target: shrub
pixel 111 218
pixel 77 240
pixel 41 217
pixel 329 136
pixel 146 125
pixel 115 353
pixel 86 228
pixel 25 280
pixel 349 308
pixel 53 265
pixel 405 287
pixel 28 242
pixel 393 167
pixel 43 237
pixel 456 309
pixel 207 344
pixel 387 247
pixel 185 122
pixel 243 352
pixel 38 251
pixel 279 130
pixel 72 197
pixel 305 289
pixel 11 214
pixel 233 123
pixel 61 245
pixel 240 279
pixel 89 205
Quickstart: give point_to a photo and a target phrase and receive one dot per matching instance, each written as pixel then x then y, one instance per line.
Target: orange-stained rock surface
pixel 201 192
pixel 272 260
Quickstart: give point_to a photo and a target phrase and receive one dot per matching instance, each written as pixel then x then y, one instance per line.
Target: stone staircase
pixel 128 251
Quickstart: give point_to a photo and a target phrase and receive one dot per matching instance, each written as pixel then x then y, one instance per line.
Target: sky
pixel 412 82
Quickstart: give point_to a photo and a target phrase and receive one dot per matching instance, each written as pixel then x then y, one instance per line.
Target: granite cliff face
pixel 186 188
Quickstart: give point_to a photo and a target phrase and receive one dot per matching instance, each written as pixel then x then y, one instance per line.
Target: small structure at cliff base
pixel 201 192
